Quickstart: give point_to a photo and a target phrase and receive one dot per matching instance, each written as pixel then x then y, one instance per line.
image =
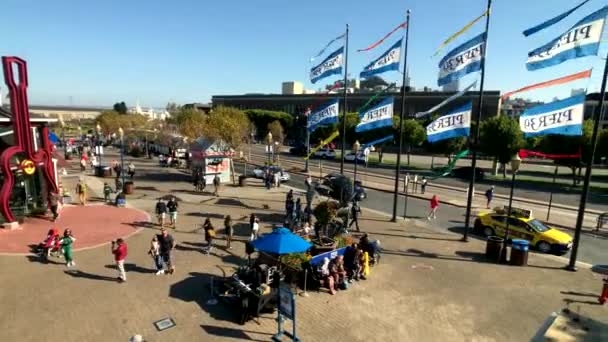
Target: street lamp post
pixel 121 133
pixel 356 147
pixel 277 152
pixel 98 143
pixel 269 146
pixel 515 163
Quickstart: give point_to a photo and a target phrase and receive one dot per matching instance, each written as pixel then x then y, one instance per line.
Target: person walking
pixel 267 180
pixel 277 179
pixel 54 200
pixel 308 182
pixel 209 235
pixel 355 209
pixel 172 206
pixel 423 185
pixel 81 190
pixel 119 249
pixel 161 212
pixel 131 170
pixel 434 206
pixel 298 211
pixel 66 247
pixel 107 190
pixel 489 196
pixel 167 244
pixel 229 230
pixel 255 229
pixel 154 252
pixel 216 185
pixel 83 163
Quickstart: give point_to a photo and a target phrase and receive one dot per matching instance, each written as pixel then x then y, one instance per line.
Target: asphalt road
pixel 596 201
pixel 592 248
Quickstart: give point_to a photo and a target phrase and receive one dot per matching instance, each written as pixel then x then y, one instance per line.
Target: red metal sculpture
pixel 22 131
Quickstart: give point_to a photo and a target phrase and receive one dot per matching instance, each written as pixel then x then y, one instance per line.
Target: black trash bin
pixel 103 171
pixel 494 248
pixel 242 180
pixel 519 252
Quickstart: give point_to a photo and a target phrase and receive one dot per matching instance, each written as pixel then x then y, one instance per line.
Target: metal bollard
pixel 305 294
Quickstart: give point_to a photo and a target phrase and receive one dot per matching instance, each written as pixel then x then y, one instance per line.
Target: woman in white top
pixel 255 230
pixel 155 254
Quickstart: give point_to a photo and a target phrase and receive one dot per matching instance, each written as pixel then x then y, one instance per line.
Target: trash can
pixel 242 180
pixel 494 248
pixel 519 252
pixel 128 188
pixel 103 171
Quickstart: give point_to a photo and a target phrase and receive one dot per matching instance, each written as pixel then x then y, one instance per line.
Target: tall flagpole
pixel 583 202
pixel 345 92
pixel 474 145
pixel 401 117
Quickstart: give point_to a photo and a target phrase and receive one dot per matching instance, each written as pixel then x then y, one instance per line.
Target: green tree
pixel 501 137
pixel 373 82
pixel 562 144
pixel 228 124
pixel 276 129
pixel 447 147
pixel 120 107
pixel 261 118
pixel 189 122
pixel 413 134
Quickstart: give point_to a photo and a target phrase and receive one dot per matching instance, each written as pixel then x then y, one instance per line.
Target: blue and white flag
pixel 332 65
pixel 380 115
pixel 327 46
pixel 446 101
pixel 582 39
pixel 553 21
pixel 563 117
pixel 386 62
pixel 463 60
pixel 327 114
pixel 456 123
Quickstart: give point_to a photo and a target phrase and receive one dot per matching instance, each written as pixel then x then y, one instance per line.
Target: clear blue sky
pixel 100 52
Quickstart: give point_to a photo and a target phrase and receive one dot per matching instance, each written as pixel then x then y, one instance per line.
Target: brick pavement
pixel 429 286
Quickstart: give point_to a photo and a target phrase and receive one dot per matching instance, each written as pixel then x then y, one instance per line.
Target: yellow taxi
pixel 522 225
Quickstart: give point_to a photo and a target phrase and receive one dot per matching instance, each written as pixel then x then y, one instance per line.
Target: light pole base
pixel 570 268
pixel 464 239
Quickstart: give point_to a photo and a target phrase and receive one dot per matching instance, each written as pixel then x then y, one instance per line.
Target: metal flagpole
pixel 307 142
pixel 475 142
pixel 345 92
pixel 581 210
pixel 401 117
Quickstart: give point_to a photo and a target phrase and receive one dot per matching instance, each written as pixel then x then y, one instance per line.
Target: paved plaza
pixel 429 286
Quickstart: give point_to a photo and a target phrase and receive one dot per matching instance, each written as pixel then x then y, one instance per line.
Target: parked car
pixel 523 226
pixel 325 153
pixel 259 172
pixel 350 157
pixel 466 171
pixel 299 150
pixel 340 187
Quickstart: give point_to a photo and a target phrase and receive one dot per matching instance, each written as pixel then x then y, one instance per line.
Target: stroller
pixel 51 246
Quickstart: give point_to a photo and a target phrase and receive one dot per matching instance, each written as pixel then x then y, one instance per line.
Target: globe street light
pixel 515 164
pixel 269 145
pixel 121 133
pixel 98 143
pixel 356 147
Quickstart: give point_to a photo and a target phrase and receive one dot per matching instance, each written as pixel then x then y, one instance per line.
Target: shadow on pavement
pixel 233 333
pixel 574 293
pixel 569 301
pixel 197 288
pixel 231 202
pixel 409 236
pixel 38 259
pixel 133 268
pixel 205 215
pixel 82 274
pixel 146 188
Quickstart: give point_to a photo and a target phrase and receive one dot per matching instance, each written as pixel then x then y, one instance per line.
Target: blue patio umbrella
pixel 281 241
pixel 53 138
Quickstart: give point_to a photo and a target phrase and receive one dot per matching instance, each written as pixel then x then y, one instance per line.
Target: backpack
pixel 211 233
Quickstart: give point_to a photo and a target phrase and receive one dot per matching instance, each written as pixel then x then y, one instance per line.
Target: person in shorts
pixel 172 207
pixel 161 212
pixel 166 244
